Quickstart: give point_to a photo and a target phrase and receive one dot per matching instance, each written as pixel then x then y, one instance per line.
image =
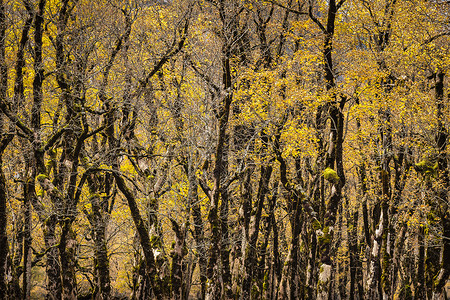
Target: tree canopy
pixel 224 149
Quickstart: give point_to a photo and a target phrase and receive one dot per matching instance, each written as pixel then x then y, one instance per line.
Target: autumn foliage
pixel 224 149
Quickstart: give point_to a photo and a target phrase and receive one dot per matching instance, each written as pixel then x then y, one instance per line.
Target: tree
pixel 224 149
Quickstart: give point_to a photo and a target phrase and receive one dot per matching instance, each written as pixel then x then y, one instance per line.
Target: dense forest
pixel 224 149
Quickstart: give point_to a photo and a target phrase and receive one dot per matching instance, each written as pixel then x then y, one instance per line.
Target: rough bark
pixel 213 272
pixel 333 156
pixel 54 286
pixel 225 234
pixel 178 252
pixel 198 230
pixel 250 254
pixel 443 190
pixel 150 265
pixel 213 217
pixel 420 278
pixel 4 247
pixel 355 291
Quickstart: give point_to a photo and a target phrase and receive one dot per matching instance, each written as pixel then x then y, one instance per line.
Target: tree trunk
pixel 214 274
pixel 443 190
pixel 225 236
pixel 4 247
pixel 67 250
pixel 250 253
pixel 198 230
pixel 54 287
pixel 354 263
pixel 178 252
pixel 100 249
pixel 420 279
pixel 26 275
pixel 150 265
